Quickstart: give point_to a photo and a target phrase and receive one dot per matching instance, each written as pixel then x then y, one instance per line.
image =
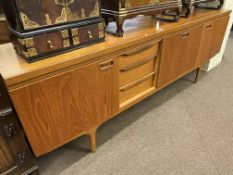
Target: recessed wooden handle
pixel 106 65
pixel 136 50
pixel 185 35
pixel 137 64
pixel 208 26
pixel 137 82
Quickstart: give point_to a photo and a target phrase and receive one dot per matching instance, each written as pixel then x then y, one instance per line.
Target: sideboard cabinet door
pixel 58 109
pixel 212 39
pixel 179 54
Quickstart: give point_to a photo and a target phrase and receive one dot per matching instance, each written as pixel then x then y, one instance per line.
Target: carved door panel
pixel 212 39
pixel 179 54
pixel 6 159
pixel 82 9
pixel 39 13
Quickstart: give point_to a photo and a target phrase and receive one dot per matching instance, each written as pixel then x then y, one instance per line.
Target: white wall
pixel 218 58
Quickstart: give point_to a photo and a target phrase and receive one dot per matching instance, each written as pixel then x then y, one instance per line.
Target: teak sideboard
pixel 66 96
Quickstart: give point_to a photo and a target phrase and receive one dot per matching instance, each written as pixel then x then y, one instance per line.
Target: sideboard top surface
pixel 15 70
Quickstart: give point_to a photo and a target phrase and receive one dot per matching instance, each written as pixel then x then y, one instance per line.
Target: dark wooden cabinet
pixel 83 98
pixel 15 155
pixel 212 39
pixel 179 54
pixel 42 28
pixel 119 10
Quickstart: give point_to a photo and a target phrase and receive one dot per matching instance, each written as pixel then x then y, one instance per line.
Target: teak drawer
pixel 134 89
pixel 137 62
pixel 137 53
pixel 136 70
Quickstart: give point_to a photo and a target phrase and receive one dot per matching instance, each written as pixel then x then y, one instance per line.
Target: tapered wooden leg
pixel 197 74
pixel 92 139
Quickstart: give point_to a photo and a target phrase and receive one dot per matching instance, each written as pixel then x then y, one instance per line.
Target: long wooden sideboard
pixel 66 96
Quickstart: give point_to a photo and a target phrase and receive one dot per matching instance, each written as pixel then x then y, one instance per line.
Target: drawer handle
pixel 50 44
pixel 90 34
pixel 137 64
pixel 185 35
pixel 208 26
pixel 137 82
pixel 106 65
pixel 137 50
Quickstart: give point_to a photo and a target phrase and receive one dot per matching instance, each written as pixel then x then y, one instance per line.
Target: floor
pixel 185 129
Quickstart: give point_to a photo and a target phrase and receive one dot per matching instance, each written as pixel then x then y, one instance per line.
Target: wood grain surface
pixel 213 35
pixel 16 71
pixel 56 110
pixel 179 54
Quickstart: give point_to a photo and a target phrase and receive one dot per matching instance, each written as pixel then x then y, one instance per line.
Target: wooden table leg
pixel 92 139
pixel 197 74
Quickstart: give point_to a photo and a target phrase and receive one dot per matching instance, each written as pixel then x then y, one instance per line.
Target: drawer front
pixel 140 52
pixel 87 34
pixel 39 13
pixel 134 89
pixel 43 44
pixel 83 9
pixel 136 70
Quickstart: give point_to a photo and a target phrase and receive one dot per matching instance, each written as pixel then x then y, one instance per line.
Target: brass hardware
pixel 74 32
pixel 65 33
pixel 32 52
pixel 137 82
pixel 96 11
pixel 63 17
pixel 101 34
pixel 66 43
pixel 90 34
pixel 28 42
pixel 137 64
pixel 47 19
pixel 76 40
pixel 50 44
pixel 27 23
pixel 101 26
pixel 107 65
pixel 83 14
